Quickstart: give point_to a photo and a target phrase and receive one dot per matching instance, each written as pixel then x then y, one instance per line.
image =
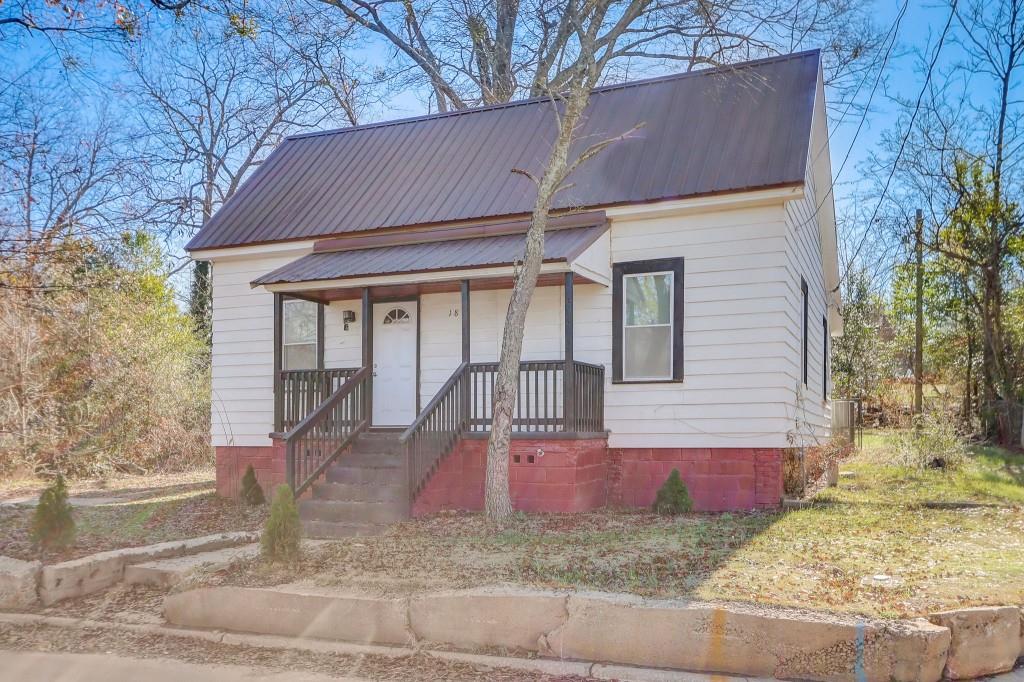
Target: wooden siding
pixel 811 411
pixel 741 333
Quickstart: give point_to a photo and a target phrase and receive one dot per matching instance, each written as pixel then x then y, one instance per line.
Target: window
pixel 824 358
pixel 299 334
pixel 647 299
pixel 396 316
pixel 803 332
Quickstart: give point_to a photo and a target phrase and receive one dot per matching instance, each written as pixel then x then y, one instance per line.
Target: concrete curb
pixel 614 629
pixel 540 665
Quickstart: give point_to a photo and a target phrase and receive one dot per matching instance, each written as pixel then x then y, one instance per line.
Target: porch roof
pixel 563 245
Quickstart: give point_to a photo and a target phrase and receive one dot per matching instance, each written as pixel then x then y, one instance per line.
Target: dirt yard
pixel 126 511
pixel 887 542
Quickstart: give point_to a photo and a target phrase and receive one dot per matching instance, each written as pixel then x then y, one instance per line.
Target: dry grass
pixel 877 522
pixel 140 510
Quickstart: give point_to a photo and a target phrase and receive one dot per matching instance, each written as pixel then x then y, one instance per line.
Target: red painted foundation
pixel 718 479
pixel 232 461
pixel 548 475
pixel 563 475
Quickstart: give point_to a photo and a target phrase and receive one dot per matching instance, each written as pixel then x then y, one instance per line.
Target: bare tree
pixel 215 102
pixel 62 177
pixel 476 52
pixel 957 153
pixel 470 53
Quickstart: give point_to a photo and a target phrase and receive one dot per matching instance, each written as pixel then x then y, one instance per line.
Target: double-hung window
pixel 648 306
pixel 299 334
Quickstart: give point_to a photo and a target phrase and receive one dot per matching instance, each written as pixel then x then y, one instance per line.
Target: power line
pixel 906 135
pixel 891 37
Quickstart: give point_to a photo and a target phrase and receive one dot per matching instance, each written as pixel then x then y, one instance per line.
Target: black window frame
pixel 639 267
pixel 824 357
pixel 804 332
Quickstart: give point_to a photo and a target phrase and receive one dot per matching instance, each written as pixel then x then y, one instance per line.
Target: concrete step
pixel 373 460
pixel 358 492
pixel 377 442
pixel 365 475
pixel 353 512
pixel 166 573
pixel 331 530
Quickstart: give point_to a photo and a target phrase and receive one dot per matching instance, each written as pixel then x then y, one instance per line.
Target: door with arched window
pixel 394 363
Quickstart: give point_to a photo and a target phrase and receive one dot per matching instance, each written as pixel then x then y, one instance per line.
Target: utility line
pixel 906 135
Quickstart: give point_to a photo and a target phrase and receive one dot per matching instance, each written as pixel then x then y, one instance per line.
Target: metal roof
pixel 456 254
pixel 728 129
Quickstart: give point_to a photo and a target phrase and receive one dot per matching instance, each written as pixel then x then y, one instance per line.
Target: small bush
pixel 932 443
pixel 792 473
pixel 283 533
pixel 252 493
pixel 673 497
pixel 53 527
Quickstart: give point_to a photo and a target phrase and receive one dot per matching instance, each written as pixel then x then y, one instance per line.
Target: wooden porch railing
pixel 464 404
pixel 436 430
pixel 302 390
pixel 317 440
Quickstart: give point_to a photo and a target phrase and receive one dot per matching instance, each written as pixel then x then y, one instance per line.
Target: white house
pixel 361 277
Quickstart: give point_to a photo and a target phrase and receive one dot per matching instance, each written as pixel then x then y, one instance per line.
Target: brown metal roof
pixel 456 254
pixel 719 130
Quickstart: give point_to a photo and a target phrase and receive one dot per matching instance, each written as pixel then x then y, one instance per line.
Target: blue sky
pixel 917 35
pixel 903 77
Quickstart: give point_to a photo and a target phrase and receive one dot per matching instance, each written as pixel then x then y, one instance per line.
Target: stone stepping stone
pixel 166 573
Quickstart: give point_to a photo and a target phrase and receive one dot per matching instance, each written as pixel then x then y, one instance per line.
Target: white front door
pixel 394 363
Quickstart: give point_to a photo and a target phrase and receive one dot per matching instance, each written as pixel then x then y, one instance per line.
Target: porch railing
pixel 436 429
pixel 302 390
pixel 317 440
pixel 541 402
pixel 465 404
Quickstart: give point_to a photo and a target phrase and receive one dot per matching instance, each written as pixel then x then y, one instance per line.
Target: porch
pixel 320 410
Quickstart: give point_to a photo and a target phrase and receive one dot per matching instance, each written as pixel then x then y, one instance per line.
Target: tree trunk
pixel 497 502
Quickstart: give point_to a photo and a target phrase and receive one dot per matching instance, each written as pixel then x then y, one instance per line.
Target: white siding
pixel 441 332
pixel 810 407
pixel 243 351
pixel 741 332
pixel 734 388
pixel 810 254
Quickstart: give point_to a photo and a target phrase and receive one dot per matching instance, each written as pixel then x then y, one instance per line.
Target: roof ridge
pixel 534 100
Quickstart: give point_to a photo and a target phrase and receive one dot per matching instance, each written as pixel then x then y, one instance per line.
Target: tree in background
pixel 101 371
pixel 63 176
pixel 470 53
pixel 956 153
pixel 217 93
pixel 862 358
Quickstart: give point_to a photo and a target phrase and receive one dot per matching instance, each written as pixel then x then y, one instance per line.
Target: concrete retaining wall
pixel 95 572
pixel 19 581
pixel 618 629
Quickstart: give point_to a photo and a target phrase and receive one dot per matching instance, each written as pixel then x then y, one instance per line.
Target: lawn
pixel 940 540
pixel 127 511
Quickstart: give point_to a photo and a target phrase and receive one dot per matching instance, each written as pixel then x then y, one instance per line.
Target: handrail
pixel 317 440
pixel 434 402
pixel 436 430
pixel 463 404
